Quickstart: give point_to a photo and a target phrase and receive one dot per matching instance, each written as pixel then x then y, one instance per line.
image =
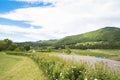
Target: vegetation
pixel 67 50
pixel 19 68
pixel 98 53
pixel 8 45
pixel 94 36
pixel 96 43
pixel 6 62
pixel 105 38
pixel 59 69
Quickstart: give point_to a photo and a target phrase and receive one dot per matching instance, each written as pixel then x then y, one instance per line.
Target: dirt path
pixel 90 59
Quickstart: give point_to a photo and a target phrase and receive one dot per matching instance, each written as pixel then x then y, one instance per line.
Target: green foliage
pixel 7 44
pixel 49 49
pixel 67 50
pixel 107 38
pixel 101 71
pixel 58 69
pixel 104 34
pixel 98 53
pixel 20 48
pixel 27 47
pixel 2 45
pixel 12 47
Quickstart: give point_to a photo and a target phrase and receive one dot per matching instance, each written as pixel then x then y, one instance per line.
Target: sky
pixel 33 20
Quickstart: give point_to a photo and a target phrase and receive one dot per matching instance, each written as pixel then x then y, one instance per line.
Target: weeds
pixel 58 69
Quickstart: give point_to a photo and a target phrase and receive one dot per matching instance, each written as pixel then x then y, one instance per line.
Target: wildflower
pixel 60 74
pixel 73 66
pixel 80 71
pixel 95 79
pixel 85 79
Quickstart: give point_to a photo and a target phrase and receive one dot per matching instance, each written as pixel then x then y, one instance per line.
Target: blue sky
pixel 33 20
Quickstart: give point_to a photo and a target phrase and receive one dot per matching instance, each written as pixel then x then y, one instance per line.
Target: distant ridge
pixel 104 38
pixel 103 34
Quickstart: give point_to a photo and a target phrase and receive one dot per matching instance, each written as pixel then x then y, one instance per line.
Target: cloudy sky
pixel 32 20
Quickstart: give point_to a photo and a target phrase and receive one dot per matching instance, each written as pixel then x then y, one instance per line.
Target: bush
pixel 67 50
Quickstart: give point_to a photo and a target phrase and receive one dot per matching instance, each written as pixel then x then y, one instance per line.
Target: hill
pixel 104 34
pixel 104 38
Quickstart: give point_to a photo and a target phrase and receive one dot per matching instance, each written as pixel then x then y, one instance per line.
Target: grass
pixel 98 53
pixel 60 69
pixel 19 68
pixel 6 62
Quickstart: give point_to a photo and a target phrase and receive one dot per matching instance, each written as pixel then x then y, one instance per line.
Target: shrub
pixel 67 50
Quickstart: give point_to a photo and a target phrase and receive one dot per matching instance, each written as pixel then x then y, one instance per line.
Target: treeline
pixel 42 47
pixel 8 45
pixel 91 45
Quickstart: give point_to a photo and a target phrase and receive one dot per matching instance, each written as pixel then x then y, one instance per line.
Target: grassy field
pixel 56 68
pixel 98 53
pixel 42 66
pixel 19 68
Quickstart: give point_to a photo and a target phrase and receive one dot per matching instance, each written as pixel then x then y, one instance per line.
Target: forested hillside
pixel 105 38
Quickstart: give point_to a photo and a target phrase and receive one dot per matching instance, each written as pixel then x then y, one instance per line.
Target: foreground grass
pixel 59 69
pixel 7 61
pixel 19 68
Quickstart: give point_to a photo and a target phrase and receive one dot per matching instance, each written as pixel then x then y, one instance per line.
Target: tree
pixel 8 43
pixel 20 48
pixel 49 49
pixel 27 47
pixel 2 45
pixel 12 47
pixel 67 50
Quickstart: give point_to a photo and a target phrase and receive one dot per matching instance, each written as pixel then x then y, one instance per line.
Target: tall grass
pixel 98 53
pixel 58 69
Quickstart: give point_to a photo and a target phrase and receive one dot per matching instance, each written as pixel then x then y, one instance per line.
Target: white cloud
pixel 29 1
pixel 37 1
pixel 67 17
pixel 27 33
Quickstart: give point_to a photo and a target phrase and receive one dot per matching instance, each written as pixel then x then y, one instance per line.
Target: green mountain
pixel 104 38
pixel 104 34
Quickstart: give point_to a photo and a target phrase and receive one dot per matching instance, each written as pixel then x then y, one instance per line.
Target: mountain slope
pixel 104 34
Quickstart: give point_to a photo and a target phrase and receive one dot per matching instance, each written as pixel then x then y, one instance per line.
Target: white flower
pixel 95 79
pixel 85 79
pixel 60 74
